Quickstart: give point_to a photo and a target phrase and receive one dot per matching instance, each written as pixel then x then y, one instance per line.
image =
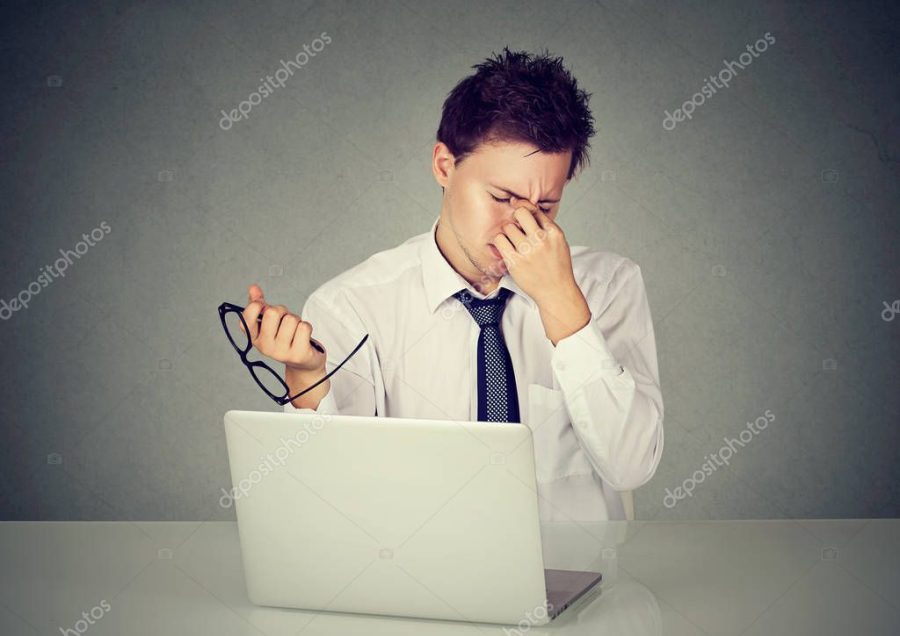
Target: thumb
pixel 254 292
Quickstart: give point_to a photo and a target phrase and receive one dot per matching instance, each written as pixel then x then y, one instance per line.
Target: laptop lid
pixel 380 515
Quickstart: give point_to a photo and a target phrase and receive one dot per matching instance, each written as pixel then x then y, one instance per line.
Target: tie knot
pixel 487 311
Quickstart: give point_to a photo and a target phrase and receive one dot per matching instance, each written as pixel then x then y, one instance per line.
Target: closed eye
pixel 506 200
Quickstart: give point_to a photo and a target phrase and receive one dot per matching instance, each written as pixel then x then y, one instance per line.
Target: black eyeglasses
pixel 232 318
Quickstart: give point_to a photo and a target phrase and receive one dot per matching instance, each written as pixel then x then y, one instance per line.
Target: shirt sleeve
pixel 609 377
pixel 337 326
pixel 326 404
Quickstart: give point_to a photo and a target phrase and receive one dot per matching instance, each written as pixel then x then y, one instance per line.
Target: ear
pixel 442 164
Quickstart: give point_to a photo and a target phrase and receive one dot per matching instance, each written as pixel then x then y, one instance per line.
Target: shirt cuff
pixel 582 356
pixel 327 405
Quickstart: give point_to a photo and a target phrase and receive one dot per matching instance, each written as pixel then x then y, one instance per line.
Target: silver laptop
pixel 380 515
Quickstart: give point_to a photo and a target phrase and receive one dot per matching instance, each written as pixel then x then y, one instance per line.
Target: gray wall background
pixel 766 226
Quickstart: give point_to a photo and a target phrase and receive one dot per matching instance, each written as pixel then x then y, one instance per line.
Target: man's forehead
pixel 516 168
pixel 501 156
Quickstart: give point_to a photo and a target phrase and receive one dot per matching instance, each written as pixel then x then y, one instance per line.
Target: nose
pixel 516 203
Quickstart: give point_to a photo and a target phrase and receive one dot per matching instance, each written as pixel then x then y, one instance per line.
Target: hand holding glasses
pixel 295 345
pixel 315 343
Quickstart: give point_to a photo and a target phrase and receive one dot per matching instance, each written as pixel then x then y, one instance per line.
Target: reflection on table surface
pixel 714 577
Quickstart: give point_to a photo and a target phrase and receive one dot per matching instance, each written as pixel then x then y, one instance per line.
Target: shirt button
pixel 560 366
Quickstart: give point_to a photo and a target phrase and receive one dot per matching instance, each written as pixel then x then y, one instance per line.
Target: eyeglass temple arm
pixel 333 371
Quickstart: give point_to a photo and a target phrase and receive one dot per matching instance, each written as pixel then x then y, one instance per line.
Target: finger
pixel 254 292
pixel 271 320
pixel 286 330
pixel 542 219
pixel 506 249
pixel 523 203
pixel 251 313
pixel 528 221
pixel 301 342
pixel 254 295
pixel 515 235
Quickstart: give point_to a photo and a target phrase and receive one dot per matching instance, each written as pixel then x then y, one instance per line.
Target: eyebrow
pixel 519 196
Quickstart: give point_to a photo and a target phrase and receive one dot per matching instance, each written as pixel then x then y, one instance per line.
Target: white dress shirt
pixel 593 402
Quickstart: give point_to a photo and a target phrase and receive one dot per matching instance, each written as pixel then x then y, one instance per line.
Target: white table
pixel 717 577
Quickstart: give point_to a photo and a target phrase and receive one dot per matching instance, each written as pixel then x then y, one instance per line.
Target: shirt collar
pixel 442 281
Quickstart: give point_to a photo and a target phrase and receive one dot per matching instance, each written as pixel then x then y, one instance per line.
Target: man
pixel 490 315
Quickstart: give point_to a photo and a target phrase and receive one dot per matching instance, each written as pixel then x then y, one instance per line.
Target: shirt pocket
pixel 557 452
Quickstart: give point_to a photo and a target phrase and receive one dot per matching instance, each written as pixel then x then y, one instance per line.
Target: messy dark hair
pixel 518 97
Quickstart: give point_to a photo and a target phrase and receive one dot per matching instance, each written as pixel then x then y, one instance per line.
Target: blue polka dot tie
pixel 497 398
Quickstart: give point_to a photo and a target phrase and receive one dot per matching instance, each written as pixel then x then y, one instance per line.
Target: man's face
pixel 471 208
